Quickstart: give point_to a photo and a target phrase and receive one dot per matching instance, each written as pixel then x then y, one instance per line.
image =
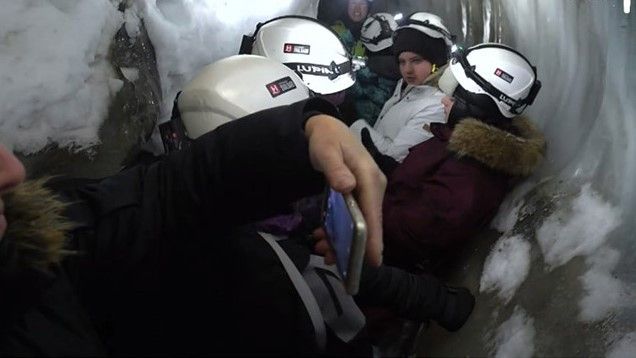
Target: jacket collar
pixel 497 149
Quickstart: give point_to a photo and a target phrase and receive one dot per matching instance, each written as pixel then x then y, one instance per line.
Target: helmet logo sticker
pixel 280 86
pixel 504 75
pixel 296 48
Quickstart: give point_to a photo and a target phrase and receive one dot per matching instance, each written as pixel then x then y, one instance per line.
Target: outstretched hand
pixel 348 167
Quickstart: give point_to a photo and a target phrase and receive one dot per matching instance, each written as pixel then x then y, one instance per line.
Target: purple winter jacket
pixel 449 188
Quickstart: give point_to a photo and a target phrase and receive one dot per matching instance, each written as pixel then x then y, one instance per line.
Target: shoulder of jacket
pixel 429 91
pixel 426 96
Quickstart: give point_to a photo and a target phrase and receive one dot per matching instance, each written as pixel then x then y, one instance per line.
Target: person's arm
pixel 431 214
pixel 411 134
pixel 348 167
pixel 244 170
pixel 247 169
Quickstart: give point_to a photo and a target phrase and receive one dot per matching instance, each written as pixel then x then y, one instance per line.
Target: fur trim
pixel 498 149
pixel 36 227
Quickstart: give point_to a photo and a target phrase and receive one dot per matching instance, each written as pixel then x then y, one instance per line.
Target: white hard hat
pixel 308 47
pixel 495 70
pixel 235 87
pixel 430 24
pixel 377 31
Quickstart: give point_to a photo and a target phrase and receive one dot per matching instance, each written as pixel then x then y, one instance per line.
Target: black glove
pixel 459 305
pixel 386 163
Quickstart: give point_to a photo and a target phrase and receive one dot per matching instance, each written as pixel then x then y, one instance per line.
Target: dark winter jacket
pixel 449 187
pixel 149 267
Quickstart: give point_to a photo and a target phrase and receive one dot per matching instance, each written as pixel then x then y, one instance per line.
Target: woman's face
pixel 358 10
pixel 414 68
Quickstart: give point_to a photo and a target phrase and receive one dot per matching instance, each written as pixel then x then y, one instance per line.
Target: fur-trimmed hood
pixel 36 229
pixel 500 150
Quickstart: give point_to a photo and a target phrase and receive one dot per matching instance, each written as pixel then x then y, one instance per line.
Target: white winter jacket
pixel 401 121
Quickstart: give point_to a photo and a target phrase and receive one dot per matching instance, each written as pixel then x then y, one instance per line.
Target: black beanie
pixel 431 49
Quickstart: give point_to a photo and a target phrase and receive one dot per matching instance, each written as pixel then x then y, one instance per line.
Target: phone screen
pixel 340 229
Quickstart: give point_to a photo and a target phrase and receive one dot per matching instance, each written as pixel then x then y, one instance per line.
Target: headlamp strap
pixel 427 24
pixel 332 71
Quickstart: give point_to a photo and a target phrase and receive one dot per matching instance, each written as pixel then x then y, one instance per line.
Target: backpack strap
pixel 305 293
pixel 338 308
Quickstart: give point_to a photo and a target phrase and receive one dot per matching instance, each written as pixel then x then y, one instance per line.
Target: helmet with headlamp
pixel 377 31
pixel 311 49
pixel 430 24
pixel 492 78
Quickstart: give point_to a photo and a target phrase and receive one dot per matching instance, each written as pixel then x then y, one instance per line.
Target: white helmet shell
pixel 234 87
pixel 513 79
pixel 377 31
pixel 309 48
pixel 430 24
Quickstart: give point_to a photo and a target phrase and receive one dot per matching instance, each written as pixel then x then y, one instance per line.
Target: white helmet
pixel 377 31
pixel 308 47
pixel 430 24
pixel 495 70
pixel 235 87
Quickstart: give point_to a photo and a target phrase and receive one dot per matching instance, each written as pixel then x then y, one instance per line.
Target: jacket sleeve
pixel 430 217
pixel 245 170
pixel 411 134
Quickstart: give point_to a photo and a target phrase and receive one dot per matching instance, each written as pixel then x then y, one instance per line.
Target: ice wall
pixel 189 34
pixel 578 296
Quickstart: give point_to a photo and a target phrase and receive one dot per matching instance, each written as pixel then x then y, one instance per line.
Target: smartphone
pixel 347 234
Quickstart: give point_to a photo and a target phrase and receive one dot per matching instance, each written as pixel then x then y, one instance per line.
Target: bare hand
pixel 348 167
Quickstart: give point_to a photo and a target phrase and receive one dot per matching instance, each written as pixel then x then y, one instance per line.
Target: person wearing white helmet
pixel 375 82
pixel 420 50
pixel 310 49
pixel 450 187
pixel 139 263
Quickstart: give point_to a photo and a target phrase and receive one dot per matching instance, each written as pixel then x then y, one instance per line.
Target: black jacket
pixel 156 268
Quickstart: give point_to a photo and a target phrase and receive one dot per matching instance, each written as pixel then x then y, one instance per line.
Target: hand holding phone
pixel 347 234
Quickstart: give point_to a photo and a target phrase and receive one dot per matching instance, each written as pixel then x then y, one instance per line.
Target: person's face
pixel 358 10
pixel 11 174
pixel 414 68
pixel 447 102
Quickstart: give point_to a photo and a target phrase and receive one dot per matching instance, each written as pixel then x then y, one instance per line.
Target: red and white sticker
pixel 504 75
pixel 281 86
pixel 296 48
